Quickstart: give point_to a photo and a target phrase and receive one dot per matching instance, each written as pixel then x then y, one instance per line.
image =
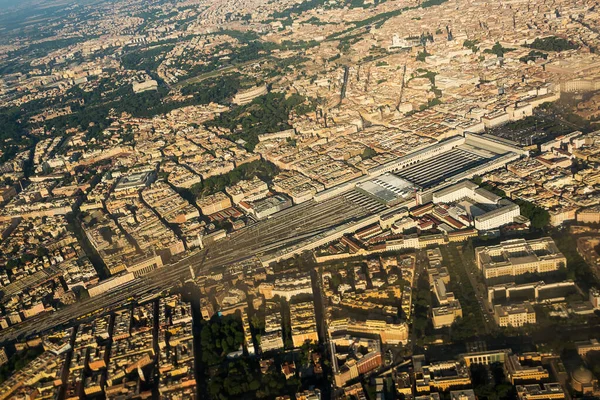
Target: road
pixel 282 230
pixel 421 265
pixel 470 271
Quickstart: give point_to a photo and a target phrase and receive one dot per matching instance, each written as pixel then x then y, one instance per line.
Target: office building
pixel 515 315
pixel 547 391
pixel 517 372
pixel 585 347
pixel 519 256
pixel 446 315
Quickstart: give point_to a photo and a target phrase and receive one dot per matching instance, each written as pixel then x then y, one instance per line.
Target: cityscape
pixel 300 199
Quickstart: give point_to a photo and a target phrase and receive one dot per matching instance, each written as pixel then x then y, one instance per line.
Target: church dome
pixel 582 375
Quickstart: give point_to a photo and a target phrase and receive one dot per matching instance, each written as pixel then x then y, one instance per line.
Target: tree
pixel 471 44
pixel 261 169
pixel 498 50
pixel 553 43
pixel 265 114
pixel 27 258
pixel 368 153
pixel 538 216
pixel 217 90
pixel 218 337
pixel 533 56
pixel 13 263
pixel 422 55
pixel 42 251
pixel 431 3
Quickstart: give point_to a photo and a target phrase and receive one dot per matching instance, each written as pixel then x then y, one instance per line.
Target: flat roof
pixel 433 171
pixel 387 188
pixel 133 180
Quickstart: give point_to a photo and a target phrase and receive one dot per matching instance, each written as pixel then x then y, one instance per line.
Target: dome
pixel 582 375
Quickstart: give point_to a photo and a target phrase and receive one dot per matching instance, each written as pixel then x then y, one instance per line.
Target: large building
pixel 515 315
pixel 585 347
pixel 213 203
pixel 450 161
pixel 110 283
pixel 485 209
pixel 595 298
pixel 266 207
pixel 388 189
pixel 441 376
pixel 246 96
pixel 287 286
pixel 446 315
pixel 432 168
pixel 486 357
pixel 517 372
pixel 443 296
pixel 143 264
pixel 389 333
pixel 350 363
pixel 303 323
pixel 135 181
pixel 248 190
pixel 147 85
pixel 3 357
pixel 583 381
pixel 518 257
pixel 589 215
pixel 7 193
pixel 537 392
pixel 466 394
pixel 534 292
pixel 271 341
pixel 589 249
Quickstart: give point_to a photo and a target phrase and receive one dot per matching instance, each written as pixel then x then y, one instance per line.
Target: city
pixel 303 200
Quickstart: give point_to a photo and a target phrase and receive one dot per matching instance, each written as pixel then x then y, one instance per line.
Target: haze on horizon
pixel 11 3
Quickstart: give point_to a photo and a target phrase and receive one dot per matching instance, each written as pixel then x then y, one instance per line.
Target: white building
pixel 487 210
pixel 515 315
pixel 150 84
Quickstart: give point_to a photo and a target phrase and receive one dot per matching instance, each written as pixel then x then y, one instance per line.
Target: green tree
pixel 422 55
pixel 265 114
pixel 368 153
pixel 553 43
pixel 498 50
pixel 471 44
pixel 538 216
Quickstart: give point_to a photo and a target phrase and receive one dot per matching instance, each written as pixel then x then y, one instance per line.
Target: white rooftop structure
pixel 388 188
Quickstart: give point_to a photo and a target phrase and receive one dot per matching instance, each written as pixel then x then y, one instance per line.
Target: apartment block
pixel 303 323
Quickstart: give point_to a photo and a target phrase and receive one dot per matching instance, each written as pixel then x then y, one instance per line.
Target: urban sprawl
pixel 300 199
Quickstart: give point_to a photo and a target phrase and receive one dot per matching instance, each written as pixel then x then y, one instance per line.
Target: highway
pixel 281 230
